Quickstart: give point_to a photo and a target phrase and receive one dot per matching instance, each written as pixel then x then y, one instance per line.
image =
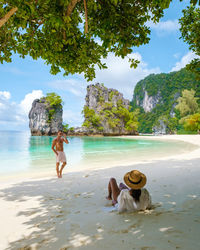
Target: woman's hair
pixel 135 193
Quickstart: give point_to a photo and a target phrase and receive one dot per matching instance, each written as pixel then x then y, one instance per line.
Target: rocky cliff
pixel 42 121
pixel 98 94
pixel 107 112
pixel 148 102
pixel 156 96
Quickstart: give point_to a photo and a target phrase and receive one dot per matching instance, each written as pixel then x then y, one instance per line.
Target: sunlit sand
pixel 71 213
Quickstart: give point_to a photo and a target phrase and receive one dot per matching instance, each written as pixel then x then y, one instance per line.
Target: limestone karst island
pixel 161 104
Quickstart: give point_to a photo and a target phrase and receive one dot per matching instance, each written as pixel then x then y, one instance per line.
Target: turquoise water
pixel 21 152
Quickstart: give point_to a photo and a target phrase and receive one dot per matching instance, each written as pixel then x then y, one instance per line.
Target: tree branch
pixel 86 19
pixel 7 16
pixel 71 6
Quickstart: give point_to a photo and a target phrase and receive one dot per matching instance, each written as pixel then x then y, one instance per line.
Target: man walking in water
pixel 60 155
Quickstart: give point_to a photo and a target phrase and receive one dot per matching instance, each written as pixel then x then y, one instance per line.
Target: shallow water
pixel 21 152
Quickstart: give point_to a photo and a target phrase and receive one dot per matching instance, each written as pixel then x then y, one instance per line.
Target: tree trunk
pixel 7 16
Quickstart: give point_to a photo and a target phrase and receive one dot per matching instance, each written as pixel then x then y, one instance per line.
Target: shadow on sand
pixel 68 212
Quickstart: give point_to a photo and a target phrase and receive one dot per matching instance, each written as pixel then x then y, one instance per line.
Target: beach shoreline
pixel 43 212
pixel 190 153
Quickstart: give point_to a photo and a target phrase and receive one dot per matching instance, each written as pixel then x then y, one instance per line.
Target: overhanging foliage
pixel 53 30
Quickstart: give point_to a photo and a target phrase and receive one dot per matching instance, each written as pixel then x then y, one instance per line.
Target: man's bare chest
pixel 59 143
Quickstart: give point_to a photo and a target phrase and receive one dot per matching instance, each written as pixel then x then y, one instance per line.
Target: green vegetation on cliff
pixel 116 117
pixel 53 102
pixel 92 120
pixel 165 88
pixel 110 113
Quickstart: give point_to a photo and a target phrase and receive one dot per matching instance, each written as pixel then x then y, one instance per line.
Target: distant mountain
pixel 157 94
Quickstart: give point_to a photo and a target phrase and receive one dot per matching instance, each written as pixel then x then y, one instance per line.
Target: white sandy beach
pixel 71 213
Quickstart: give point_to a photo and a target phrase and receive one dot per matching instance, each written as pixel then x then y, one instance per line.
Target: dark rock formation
pixel 39 122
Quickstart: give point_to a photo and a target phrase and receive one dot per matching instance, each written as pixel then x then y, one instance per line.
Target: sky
pixel 24 80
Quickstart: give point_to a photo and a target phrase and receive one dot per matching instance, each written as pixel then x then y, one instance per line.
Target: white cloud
pixel 119 75
pixel 26 103
pixel 72 109
pixel 15 115
pixel 184 61
pixel 72 118
pixel 164 27
pixel 5 95
pixel 9 111
pixel 76 87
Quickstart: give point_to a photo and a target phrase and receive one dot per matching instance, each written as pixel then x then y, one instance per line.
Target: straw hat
pixel 135 179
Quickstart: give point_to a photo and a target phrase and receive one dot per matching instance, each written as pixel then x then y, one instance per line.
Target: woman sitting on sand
pixel 129 199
